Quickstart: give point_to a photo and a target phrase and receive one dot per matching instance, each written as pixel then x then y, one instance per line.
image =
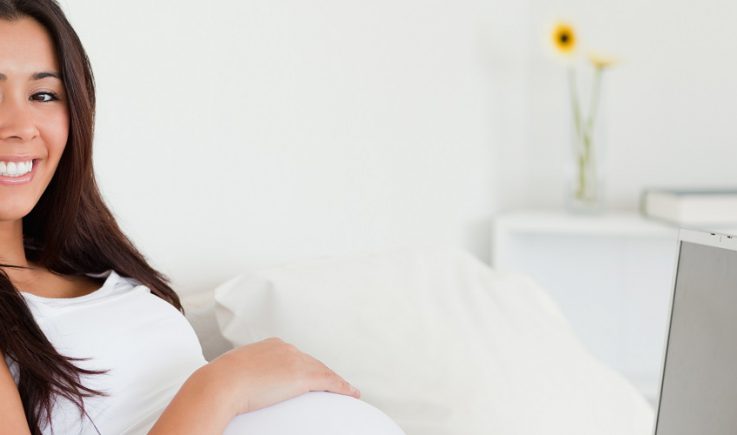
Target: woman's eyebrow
pixel 38 75
pixel 45 74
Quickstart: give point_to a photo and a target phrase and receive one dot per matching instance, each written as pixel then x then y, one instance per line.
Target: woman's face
pixel 34 119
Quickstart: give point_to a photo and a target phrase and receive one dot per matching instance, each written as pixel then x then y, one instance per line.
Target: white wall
pixel 239 134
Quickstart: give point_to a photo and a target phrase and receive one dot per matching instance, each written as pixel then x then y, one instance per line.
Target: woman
pixel 92 337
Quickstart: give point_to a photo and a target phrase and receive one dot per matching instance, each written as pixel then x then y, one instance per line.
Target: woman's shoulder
pixel 111 278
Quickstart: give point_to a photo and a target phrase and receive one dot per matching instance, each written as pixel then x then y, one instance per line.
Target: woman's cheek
pixel 55 134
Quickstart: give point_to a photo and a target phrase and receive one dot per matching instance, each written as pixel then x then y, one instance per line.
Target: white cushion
pixel 438 341
pixel 199 309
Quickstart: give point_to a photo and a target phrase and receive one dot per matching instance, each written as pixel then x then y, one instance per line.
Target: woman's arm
pixel 242 380
pixel 197 408
pixel 11 408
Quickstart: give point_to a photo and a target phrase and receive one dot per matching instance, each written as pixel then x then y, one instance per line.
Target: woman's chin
pixel 14 209
pixel 315 413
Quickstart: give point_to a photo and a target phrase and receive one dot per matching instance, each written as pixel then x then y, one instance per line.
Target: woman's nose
pixel 16 121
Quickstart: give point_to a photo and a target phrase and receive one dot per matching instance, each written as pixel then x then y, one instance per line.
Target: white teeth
pixel 15 169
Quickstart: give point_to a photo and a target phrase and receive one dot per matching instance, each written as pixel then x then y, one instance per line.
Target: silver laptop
pixel 698 391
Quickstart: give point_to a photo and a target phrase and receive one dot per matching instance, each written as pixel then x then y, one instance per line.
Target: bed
pixel 434 338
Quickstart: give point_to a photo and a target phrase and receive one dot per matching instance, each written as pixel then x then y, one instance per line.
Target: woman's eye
pixel 44 97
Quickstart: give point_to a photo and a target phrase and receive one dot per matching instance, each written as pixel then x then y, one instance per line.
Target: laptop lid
pixel 698 391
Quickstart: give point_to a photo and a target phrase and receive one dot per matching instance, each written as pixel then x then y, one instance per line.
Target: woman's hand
pixel 242 380
pixel 270 371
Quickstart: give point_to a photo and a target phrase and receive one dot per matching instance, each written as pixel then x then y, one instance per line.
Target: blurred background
pixel 242 134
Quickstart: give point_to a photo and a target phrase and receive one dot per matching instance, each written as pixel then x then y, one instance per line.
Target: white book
pixel 692 207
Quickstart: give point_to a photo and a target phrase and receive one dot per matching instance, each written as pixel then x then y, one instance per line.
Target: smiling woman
pixel 92 337
pixel 33 106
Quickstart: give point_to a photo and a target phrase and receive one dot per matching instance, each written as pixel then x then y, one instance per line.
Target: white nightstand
pixel 611 274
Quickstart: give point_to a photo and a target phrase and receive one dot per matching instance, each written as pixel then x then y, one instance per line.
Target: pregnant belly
pixel 316 413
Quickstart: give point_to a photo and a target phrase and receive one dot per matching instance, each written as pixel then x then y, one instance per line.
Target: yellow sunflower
pixel 564 38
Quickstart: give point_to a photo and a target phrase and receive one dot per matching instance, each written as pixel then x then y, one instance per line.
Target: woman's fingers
pixel 270 371
pixel 319 377
pixel 325 379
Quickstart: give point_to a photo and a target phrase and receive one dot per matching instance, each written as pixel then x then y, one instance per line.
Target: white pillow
pixel 438 341
pixel 200 312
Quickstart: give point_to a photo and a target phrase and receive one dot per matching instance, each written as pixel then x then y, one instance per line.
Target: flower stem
pixel 579 145
pixel 595 93
pixel 575 107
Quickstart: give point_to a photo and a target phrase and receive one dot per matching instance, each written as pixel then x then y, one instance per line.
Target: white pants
pixel 316 413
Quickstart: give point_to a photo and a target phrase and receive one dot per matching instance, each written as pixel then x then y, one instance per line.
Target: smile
pixel 16 172
pixel 15 169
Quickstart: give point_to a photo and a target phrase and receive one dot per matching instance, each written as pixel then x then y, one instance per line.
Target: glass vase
pixel 584 174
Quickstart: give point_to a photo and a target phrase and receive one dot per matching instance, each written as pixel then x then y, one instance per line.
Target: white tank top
pixel 148 346
pixel 150 350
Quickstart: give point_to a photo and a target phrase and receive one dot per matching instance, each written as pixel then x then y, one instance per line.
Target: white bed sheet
pixel 439 342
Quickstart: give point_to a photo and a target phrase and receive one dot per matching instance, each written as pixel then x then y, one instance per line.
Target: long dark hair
pixel 70 231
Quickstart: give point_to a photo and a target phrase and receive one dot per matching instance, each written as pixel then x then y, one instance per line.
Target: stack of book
pixel 692 207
